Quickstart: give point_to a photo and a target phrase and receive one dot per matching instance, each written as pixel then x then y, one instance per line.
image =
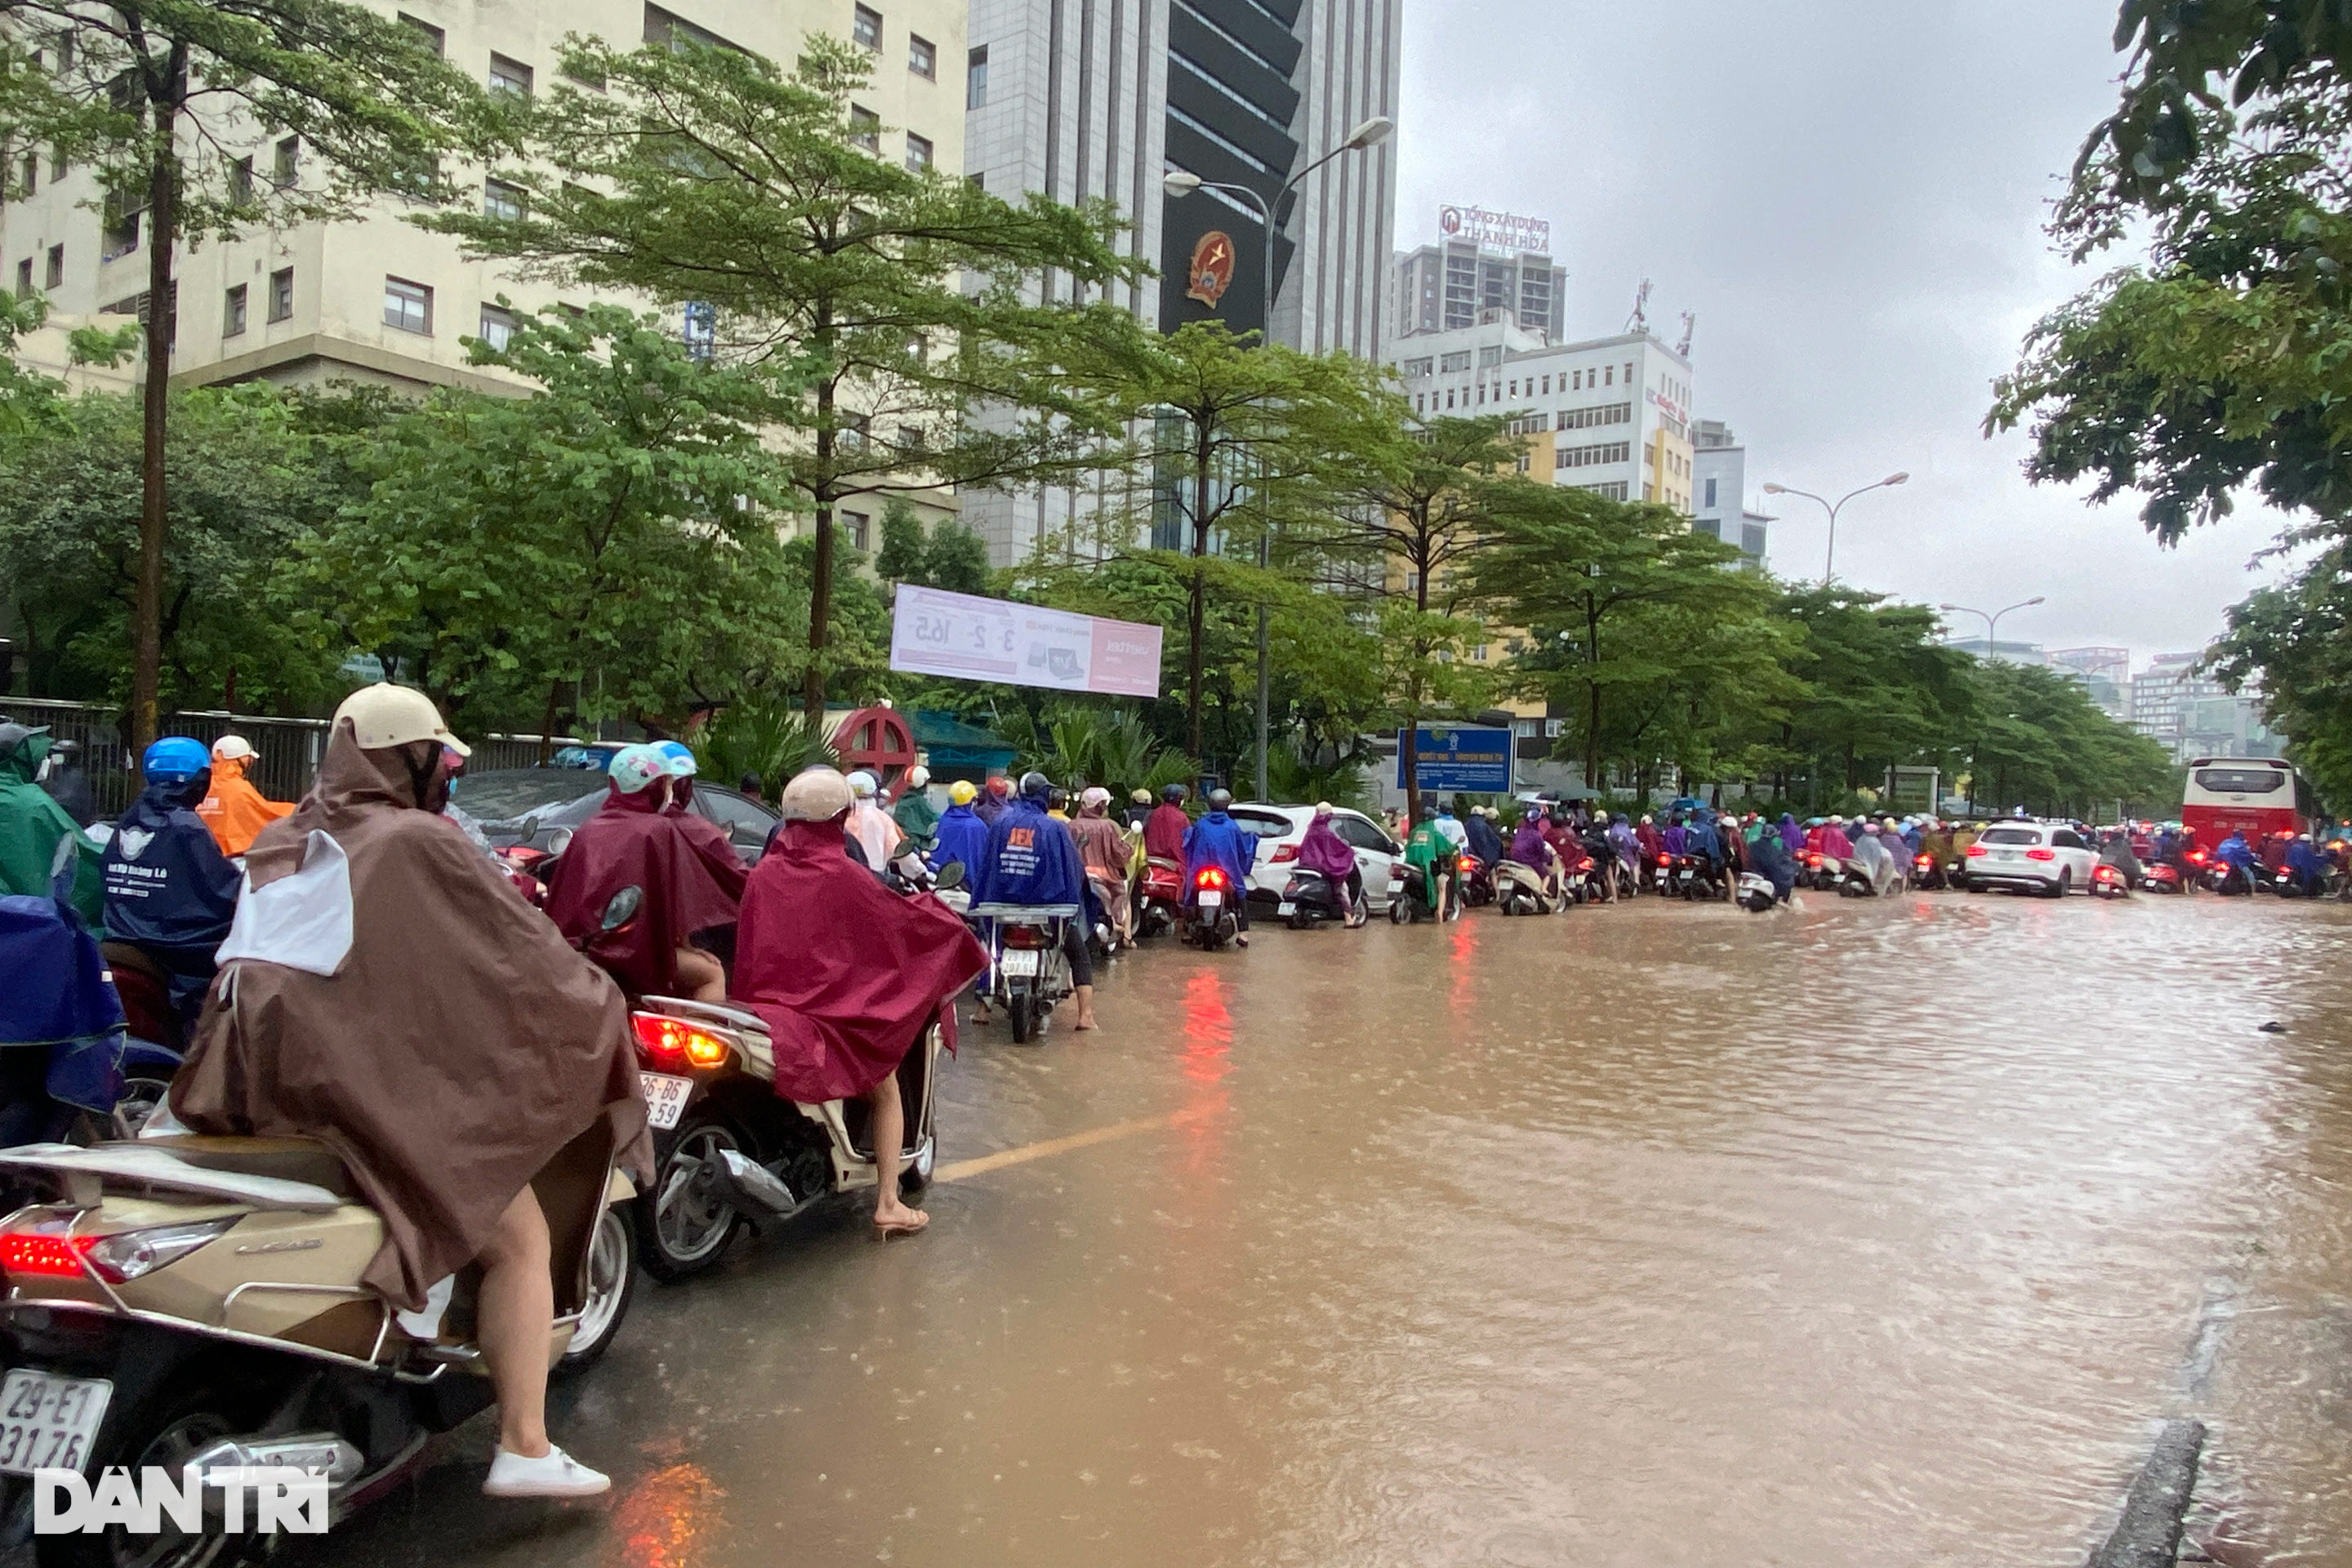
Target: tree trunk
pixel 1593 692
pixel 1196 610
pixel 147 616
pixel 821 568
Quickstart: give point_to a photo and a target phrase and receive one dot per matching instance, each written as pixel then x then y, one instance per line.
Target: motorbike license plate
pixel 47 1422
pixel 1019 960
pixel 665 1097
pixel 1288 907
pixel 1211 900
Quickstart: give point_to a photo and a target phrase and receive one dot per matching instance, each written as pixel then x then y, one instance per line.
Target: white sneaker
pixel 553 1474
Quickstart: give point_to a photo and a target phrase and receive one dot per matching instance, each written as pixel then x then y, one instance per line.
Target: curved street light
pixel 1829 572
pixel 1993 621
pixel 1184 183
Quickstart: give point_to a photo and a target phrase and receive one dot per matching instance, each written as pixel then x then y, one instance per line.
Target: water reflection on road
pixel 1655 1235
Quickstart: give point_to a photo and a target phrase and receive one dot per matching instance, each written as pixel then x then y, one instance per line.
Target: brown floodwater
pixel 1875 1233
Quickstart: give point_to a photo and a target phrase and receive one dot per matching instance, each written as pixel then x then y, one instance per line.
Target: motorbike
pixel 1661 874
pixel 730 1151
pixel 2230 881
pixel 1928 874
pixel 1477 885
pixel 1756 893
pixel 2158 877
pixel 1522 891
pixel 1209 921
pixel 2109 882
pixel 1309 898
pixel 1409 901
pixel 194 1304
pixel 1028 973
pixel 1696 879
pixel 1163 898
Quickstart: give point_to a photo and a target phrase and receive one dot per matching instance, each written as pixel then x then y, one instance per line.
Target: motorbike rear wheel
pixel 1022 1010
pixel 175 1433
pixel 612 1280
pixel 683 1225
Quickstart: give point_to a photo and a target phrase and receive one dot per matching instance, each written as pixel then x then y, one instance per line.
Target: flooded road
pixel 1869 1235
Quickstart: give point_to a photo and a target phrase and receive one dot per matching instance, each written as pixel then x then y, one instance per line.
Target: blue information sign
pixel 1474 762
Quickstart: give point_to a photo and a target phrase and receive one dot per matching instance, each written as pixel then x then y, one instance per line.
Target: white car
pixel 2031 856
pixel 1279 830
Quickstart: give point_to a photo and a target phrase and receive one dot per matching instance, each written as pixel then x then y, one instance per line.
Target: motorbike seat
pixel 285 1159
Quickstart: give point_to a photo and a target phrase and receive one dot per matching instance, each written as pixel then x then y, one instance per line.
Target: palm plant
pixel 761 738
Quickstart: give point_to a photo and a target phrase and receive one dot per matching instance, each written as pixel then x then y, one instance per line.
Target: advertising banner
pixel 933 632
pixel 1474 762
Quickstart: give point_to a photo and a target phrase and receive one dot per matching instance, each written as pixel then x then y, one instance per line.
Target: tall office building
pixel 1098 99
pixel 1719 491
pixel 1464 281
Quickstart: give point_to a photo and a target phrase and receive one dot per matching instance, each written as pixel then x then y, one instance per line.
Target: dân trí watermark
pixel 281 1497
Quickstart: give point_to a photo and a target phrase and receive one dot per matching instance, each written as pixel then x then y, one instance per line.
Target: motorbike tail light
pixel 675 1037
pixel 1922 861
pixel 38 1252
pixel 1210 876
pixel 2197 856
pixel 1665 860
pixel 1283 852
pixel 1024 936
pixel 1975 850
pixel 2040 854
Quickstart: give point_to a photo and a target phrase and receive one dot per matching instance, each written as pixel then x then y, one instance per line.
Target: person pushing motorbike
pixel 395 1000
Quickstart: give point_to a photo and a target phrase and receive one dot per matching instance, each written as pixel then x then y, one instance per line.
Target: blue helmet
pixel 677 759
pixel 174 759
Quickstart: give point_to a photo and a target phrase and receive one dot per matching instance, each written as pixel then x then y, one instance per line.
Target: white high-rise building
pixel 1719 491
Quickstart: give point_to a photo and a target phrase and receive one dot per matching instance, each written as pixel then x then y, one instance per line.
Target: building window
pixel 975 78
pixel 1449 397
pixel 56 164
pixel 25 279
pixel 1414 369
pixel 866 27
pixel 1609 377
pixel 498 328
pixel 1419 399
pixel 281 294
pixel 285 164
pixel 1489 358
pixel 1629 373
pixel 240 182
pixel 502 200
pixel 408 306
pixel 918 151
pixel 29 174
pixel 922 58
pixel 510 76
pixel 55 273
pixel 1478 654
pixel 1546 386
pixel 865 129
pixel 1710 492
pixel 853 523
pixel 1452 362
pixel 233 312
pixel 435 39
pixel 701 328
pixel 121 236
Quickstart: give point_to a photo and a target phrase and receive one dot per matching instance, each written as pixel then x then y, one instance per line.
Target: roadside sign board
pixel 933 632
pixel 1450 759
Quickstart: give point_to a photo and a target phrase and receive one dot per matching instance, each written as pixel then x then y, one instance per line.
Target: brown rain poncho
pixel 457 1051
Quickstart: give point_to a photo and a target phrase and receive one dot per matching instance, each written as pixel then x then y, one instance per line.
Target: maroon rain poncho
pixel 710 843
pixel 1324 850
pixel 629 843
pixel 844 972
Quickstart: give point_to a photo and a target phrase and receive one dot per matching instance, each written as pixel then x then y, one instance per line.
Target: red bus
pixel 2254 795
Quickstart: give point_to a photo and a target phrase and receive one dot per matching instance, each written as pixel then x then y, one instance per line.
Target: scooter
pixel 1521 889
pixel 1662 874
pixel 194 1304
pixel 1209 921
pixel 152 1042
pixel 2230 881
pixel 1756 893
pixel 1310 898
pixel 1028 972
pixel 1928 874
pixel 731 1151
pixel 2158 878
pixel 2109 882
pixel 1409 901
pixel 1475 886
pixel 1163 898
pixel 1697 877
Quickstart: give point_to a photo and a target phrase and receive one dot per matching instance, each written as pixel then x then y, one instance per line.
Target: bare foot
pixel 1086 1021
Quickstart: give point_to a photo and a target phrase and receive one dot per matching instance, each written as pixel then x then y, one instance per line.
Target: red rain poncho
pixel 629 843
pixel 710 843
pixel 844 972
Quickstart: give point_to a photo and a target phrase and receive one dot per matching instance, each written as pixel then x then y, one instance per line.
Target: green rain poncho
pixel 31 823
pixel 1425 846
pixel 917 818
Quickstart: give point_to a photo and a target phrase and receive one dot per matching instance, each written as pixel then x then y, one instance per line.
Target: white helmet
pixel 384 715
pixel 815 795
pixel 917 776
pixel 862 784
pixel 230 748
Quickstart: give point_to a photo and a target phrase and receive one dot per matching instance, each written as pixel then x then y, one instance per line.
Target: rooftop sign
pixel 1498 231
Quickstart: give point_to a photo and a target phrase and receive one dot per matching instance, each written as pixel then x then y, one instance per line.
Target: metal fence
pixel 286 749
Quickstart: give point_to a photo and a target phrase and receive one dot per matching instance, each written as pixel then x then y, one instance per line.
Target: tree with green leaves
pixel 1879 687
pixel 169 102
pixel 947 555
pixel 603 547
pixel 901 304
pixel 1586 578
pixel 2042 743
pixel 255 472
pixel 1242 437
pixel 2294 641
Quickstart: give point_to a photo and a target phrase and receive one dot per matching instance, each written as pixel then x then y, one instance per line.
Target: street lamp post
pixel 1184 183
pixel 1829 561
pixel 1993 621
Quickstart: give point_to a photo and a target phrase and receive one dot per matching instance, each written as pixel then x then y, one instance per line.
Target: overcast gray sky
pixel 1849 197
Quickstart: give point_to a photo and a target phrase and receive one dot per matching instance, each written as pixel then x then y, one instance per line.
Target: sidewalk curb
pixel 2148 1534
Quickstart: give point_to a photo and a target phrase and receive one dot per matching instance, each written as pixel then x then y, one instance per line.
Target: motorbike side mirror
pixel 623 908
pixel 559 841
pixel 949 877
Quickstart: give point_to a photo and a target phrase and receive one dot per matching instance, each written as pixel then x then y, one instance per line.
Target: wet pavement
pixel 1868 1235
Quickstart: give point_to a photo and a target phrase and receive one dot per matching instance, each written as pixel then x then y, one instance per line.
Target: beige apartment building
pixel 378 299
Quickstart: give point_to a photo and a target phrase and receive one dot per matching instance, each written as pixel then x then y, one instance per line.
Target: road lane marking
pixel 957 1170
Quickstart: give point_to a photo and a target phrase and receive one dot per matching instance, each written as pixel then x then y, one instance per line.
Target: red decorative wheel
pixel 877 740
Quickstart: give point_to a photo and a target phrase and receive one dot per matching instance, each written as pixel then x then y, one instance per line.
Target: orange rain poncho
pixel 235 810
